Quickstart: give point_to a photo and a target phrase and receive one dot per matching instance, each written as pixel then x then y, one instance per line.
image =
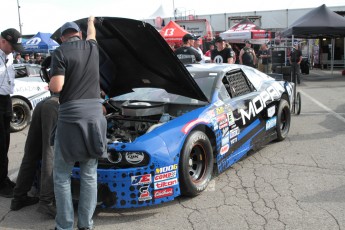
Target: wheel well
pixel 24 99
pixel 211 136
pixel 286 97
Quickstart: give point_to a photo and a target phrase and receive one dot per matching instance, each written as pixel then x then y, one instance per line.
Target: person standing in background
pixel 221 54
pixel 265 63
pixel 10 40
pixel 247 55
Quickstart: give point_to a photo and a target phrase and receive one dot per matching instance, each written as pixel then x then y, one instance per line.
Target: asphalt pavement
pixel 295 184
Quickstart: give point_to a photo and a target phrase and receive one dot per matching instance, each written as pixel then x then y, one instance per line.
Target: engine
pixel 134 119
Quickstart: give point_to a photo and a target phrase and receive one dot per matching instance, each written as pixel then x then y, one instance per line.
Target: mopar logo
pixel 259 103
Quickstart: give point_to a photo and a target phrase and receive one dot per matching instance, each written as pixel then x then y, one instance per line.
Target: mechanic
pixel 295 59
pixel 10 40
pixel 247 55
pixel 38 149
pixel 186 53
pixel 222 54
pixel 75 75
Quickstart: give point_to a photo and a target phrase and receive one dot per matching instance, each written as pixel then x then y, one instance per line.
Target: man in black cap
pixel 186 53
pixel 10 40
pixel 222 54
pixel 247 55
pixel 75 75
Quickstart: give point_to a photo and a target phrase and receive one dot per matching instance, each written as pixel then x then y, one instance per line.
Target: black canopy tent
pixel 319 22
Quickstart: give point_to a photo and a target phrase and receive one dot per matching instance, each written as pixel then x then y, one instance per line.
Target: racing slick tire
pixel 283 120
pixel 298 103
pixel 21 115
pixel 196 164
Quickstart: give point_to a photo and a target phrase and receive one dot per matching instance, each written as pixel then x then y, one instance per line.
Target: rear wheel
pixel 196 164
pixel 21 116
pixel 283 120
pixel 298 103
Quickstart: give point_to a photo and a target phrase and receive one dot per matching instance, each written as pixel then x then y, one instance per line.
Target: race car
pixel 171 127
pixel 29 89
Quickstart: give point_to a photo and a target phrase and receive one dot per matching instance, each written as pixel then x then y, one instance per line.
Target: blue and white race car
pixel 170 126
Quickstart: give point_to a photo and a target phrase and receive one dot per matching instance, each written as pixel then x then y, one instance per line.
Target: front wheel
pixel 21 116
pixel 196 164
pixel 283 120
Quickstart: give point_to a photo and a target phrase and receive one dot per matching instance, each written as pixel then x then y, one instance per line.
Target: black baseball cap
pixel 248 42
pixel 187 37
pixel 69 25
pixel 219 39
pixel 14 38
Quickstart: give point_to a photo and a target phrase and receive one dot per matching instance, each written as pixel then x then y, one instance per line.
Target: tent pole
pixel 332 57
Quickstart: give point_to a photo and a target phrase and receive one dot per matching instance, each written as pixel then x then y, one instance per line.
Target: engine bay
pixel 128 120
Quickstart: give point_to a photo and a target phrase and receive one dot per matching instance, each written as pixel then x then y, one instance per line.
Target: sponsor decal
pixel 165 184
pixel 233 141
pixel 225 131
pixel 219 110
pixel 144 194
pixel 142 179
pixel 214 123
pixel 231 118
pixel 224 149
pixel 164 176
pixel 210 113
pixel 163 193
pixel 166 169
pixel 192 123
pixel 225 140
pixel 235 132
pixel 222 121
pixel 271 123
pixel 134 157
pixel 256 105
pixel 271 111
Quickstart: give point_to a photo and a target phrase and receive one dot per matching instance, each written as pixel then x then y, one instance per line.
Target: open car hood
pixel 133 55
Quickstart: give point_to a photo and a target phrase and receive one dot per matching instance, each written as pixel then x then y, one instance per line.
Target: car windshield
pixel 160 95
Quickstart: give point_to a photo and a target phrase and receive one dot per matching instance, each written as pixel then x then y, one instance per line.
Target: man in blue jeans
pixel 75 75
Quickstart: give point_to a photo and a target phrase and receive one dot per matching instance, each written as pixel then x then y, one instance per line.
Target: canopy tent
pixel 319 22
pixel 173 33
pixel 244 30
pixel 40 43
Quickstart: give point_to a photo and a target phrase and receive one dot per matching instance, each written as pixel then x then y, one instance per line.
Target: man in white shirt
pixel 10 40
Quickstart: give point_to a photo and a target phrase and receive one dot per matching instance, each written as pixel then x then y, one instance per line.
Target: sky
pixel 48 15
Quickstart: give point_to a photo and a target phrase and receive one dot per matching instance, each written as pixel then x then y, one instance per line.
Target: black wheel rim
pixel 18 115
pixel 197 163
pixel 284 119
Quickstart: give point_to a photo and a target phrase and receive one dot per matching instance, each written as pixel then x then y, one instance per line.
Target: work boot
pixel 47 208
pixel 6 190
pixel 21 202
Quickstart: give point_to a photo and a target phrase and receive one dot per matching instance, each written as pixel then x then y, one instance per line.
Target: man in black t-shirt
pixel 75 75
pixel 221 54
pixel 247 55
pixel 186 53
pixel 295 59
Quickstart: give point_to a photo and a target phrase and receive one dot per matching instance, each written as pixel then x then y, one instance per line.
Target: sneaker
pixel 19 203
pixel 47 208
pixel 6 191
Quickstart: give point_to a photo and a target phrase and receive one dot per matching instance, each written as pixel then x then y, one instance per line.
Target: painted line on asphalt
pixel 336 115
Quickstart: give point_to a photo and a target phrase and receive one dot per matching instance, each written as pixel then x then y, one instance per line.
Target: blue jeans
pixel 62 188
